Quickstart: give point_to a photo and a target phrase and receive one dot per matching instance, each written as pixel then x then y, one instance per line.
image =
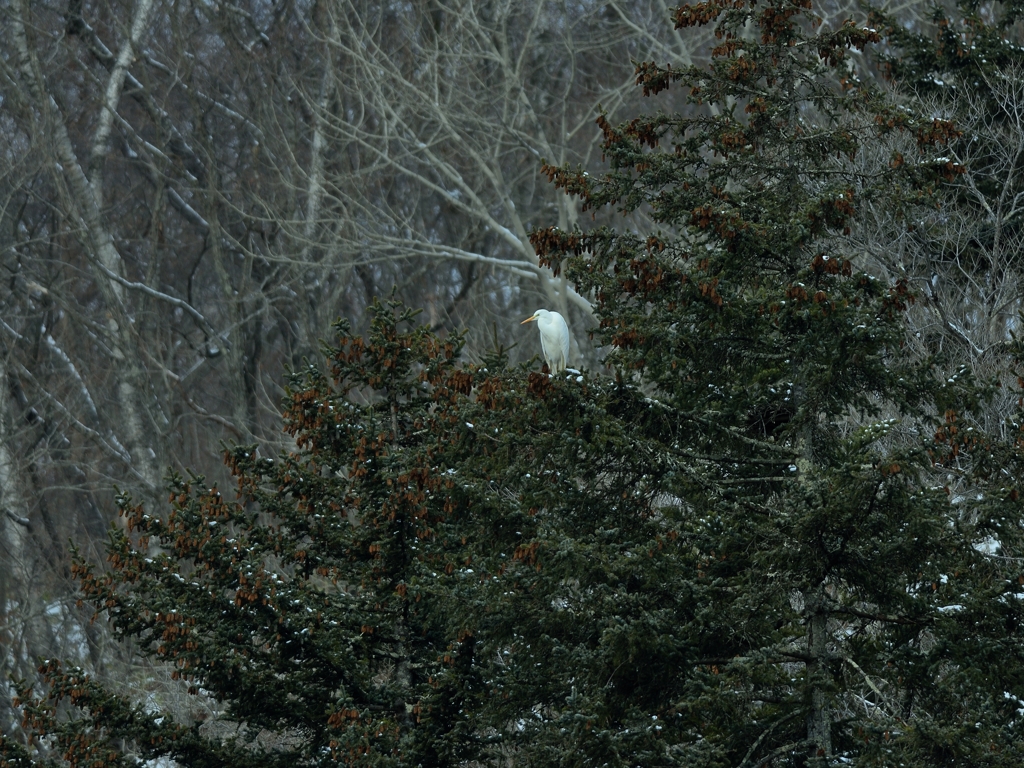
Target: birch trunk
pixel 86 199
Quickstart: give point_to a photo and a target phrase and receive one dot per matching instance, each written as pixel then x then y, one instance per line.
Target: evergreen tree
pixel 738 551
pixel 966 44
pixel 850 607
pixel 312 608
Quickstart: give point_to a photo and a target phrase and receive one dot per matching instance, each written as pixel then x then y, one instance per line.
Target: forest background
pixel 193 192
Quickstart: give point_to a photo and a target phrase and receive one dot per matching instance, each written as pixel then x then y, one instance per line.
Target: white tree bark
pixel 14 520
pixel 87 201
pixel 111 99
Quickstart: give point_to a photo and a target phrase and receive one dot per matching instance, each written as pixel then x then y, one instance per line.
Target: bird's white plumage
pixel 554 338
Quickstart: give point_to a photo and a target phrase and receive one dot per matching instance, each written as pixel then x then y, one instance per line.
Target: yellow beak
pixel 529 319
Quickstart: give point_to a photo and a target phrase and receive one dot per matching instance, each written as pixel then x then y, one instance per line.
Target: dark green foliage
pixel 967 44
pixel 847 579
pixel 312 606
pixel 772 538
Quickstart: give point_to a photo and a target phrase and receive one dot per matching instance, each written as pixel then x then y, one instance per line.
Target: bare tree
pixel 962 251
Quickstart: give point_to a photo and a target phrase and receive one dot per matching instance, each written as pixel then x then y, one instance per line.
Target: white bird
pixel 554 338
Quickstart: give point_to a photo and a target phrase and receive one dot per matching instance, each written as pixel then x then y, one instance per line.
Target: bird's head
pixel 540 314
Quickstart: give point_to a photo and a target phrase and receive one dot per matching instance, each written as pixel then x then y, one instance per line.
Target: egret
pixel 554 338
